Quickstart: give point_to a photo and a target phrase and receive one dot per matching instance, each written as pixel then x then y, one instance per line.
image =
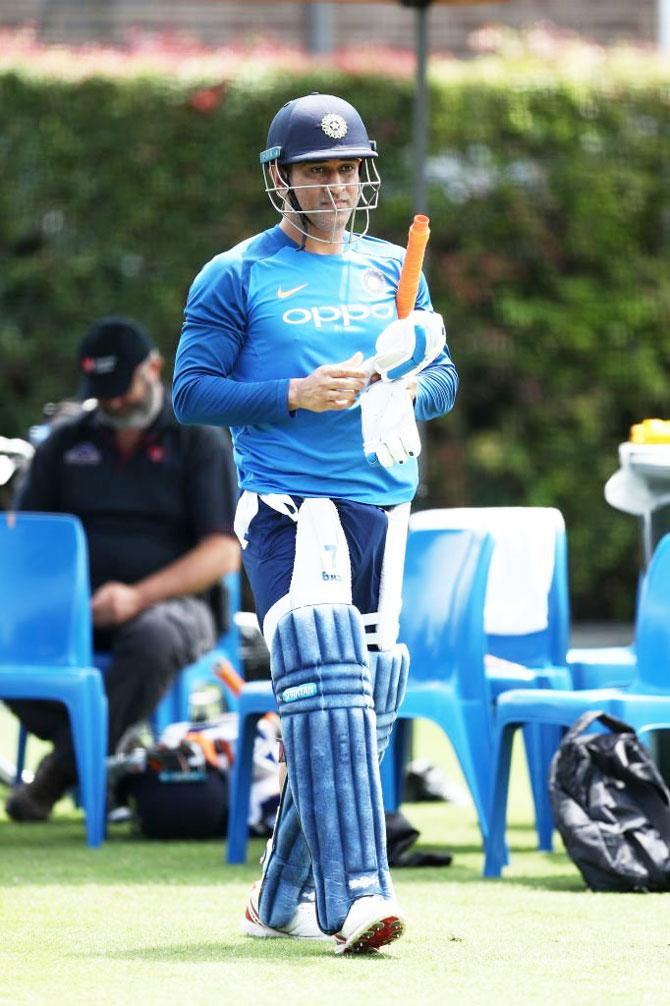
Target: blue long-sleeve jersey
pixel 267 311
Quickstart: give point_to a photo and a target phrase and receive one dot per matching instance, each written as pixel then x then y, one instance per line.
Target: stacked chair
pixel 526 622
pixel 442 624
pixel 644 702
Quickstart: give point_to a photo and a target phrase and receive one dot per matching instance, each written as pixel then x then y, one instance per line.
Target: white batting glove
pixel 390 435
pixel 408 345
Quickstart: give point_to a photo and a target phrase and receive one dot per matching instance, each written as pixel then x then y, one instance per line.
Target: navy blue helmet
pixel 316 127
pixel 319 127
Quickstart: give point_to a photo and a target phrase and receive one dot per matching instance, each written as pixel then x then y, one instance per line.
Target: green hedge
pixel 549 257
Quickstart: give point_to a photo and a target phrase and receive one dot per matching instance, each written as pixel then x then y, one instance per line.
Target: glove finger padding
pixel 390 434
pixel 397 450
pixel 408 345
pixel 382 455
pixel 411 440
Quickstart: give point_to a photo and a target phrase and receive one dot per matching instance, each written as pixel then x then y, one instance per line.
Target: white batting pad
pixel 322 567
pixel 382 626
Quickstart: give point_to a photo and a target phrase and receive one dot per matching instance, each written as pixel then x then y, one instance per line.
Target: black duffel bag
pixel 611 807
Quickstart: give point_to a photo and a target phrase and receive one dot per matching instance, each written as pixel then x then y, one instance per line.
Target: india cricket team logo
pixel 373 282
pixel 334 126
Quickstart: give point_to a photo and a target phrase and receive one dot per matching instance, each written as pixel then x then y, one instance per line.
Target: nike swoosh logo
pixel 283 294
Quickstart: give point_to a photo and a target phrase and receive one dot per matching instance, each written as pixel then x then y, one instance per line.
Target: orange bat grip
pixel 410 274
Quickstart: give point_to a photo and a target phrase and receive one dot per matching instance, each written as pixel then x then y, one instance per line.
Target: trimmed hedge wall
pixel 549 257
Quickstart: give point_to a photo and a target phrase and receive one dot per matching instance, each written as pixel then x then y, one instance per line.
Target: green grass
pixel 146 922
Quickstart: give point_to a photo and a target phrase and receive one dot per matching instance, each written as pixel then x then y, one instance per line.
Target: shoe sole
pixel 378 933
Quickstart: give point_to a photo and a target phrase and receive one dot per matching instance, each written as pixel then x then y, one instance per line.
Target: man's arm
pixel 195 571
pixel 436 388
pixel 211 339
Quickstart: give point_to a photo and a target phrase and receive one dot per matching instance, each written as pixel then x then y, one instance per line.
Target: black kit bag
pixel 177 794
pixel 611 807
pixel 178 787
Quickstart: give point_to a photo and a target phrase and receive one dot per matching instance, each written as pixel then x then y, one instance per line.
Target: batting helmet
pixel 316 127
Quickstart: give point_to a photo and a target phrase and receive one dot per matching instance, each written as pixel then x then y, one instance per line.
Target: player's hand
pixel 334 386
pixel 408 345
pixel 114 603
pixel 390 434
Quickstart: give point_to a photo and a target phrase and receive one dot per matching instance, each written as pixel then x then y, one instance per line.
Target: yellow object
pixel 651 431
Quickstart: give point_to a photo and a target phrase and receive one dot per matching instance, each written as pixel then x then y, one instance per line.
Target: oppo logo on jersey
pixel 345 314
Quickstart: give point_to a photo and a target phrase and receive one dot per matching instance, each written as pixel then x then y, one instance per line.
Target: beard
pixel 139 416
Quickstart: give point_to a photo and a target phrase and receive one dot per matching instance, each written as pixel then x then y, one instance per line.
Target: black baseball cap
pixel 109 354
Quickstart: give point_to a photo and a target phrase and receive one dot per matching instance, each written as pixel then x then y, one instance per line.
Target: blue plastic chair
pixel 254 701
pixel 442 623
pixel 175 707
pixel 601 666
pixel 45 640
pixel 529 659
pixel 530 653
pixel 645 703
pixel 546 648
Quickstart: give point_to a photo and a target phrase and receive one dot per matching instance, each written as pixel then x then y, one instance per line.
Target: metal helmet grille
pixel 319 127
pixel 285 198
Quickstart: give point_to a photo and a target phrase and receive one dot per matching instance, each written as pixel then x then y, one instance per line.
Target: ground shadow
pixel 558 885
pixel 220 951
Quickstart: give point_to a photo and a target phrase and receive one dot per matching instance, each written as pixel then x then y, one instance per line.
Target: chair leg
pixel 393 764
pixel 21 754
pixel 466 738
pixel 541 742
pixel 88 721
pixel 181 697
pixel 240 789
pixel 495 845
pixel 387 775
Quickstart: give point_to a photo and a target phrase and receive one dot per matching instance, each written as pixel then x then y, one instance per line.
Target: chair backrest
pixel 45 616
pixel 652 627
pixel 527 611
pixel 442 618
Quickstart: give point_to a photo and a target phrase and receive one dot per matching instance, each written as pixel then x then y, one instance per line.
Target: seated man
pixel 156 500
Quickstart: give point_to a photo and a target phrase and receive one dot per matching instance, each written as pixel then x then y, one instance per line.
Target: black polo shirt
pixel 142 511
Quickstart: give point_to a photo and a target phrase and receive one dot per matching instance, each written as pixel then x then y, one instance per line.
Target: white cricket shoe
pixel 303 924
pixel 371 923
